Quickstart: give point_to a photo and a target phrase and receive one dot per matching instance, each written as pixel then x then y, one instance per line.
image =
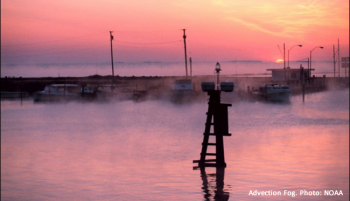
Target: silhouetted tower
pixel 217 116
pixel 184 36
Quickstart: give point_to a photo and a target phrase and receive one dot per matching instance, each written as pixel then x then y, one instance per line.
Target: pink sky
pixel 41 31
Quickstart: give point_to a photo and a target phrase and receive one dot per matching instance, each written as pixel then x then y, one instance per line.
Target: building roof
pixel 288 69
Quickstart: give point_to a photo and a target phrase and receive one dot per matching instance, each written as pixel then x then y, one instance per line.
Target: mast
pixel 184 36
pixel 111 36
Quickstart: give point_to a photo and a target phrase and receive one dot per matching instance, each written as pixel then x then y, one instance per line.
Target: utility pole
pixel 334 62
pixel 309 69
pixel 338 59
pixel 184 36
pixel 284 60
pixel 111 36
pixel 191 66
pixel 284 55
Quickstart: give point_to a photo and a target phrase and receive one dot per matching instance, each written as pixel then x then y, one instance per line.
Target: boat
pixel 87 93
pixel 57 92
pixel 182 91
pixel 106 92
pixel 274 92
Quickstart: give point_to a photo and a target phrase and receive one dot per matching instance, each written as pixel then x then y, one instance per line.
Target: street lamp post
pixel 310 56
pixel 217 69
pixel 290 50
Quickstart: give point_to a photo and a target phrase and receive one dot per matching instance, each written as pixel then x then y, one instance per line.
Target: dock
pixel 157 85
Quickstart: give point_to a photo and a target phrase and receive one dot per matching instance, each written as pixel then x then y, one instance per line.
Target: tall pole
pixel 338 59
pixel 184 36
pixel 334 62
pixel 217 69
pixel 284 61
pixel 284 55
pixel 308 67
pixel 191 66
pixel 310 63
pixel 288 57
pixel 111 36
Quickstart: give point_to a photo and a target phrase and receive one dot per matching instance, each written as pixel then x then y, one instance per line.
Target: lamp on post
pixel 217 70
pixel 290 50
pixel 321 47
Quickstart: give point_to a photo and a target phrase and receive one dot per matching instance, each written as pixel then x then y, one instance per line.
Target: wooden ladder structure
pixel 217 116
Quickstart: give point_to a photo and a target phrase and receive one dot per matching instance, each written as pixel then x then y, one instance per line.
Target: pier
pixel 158 87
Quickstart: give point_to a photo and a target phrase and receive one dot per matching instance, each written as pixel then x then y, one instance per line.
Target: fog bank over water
pixel 152 68
pixel 143 151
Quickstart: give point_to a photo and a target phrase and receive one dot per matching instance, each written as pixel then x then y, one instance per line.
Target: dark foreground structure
pixel 217 116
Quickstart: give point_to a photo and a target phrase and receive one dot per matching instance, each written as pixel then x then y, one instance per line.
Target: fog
pixel 152 68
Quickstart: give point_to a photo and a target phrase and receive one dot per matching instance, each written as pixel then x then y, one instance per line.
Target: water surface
pixel 144 151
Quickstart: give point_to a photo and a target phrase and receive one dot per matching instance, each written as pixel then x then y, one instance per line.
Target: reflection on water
pixel 213 184
pixel 144 151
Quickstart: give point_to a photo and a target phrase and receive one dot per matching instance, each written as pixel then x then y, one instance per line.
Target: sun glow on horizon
pixel 279 61
pixel 42 32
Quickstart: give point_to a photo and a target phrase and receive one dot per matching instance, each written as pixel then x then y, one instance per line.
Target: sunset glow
pixel 279 60
pixel 78 31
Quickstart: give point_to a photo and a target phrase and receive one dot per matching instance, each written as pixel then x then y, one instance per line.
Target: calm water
pixel 144 151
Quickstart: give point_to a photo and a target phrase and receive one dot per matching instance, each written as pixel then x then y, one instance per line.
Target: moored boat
pixel 274 92
pixel 106 92
pixel 57 92
pixel 182 91
pixel 88 93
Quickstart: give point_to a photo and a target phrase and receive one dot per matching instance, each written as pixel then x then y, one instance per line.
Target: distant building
pixel 290 74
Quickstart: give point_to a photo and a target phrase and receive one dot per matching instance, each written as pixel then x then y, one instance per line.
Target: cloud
pixel 258 27
pixel 289 18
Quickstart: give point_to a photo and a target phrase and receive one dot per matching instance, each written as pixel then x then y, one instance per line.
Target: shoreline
pixel 31 85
